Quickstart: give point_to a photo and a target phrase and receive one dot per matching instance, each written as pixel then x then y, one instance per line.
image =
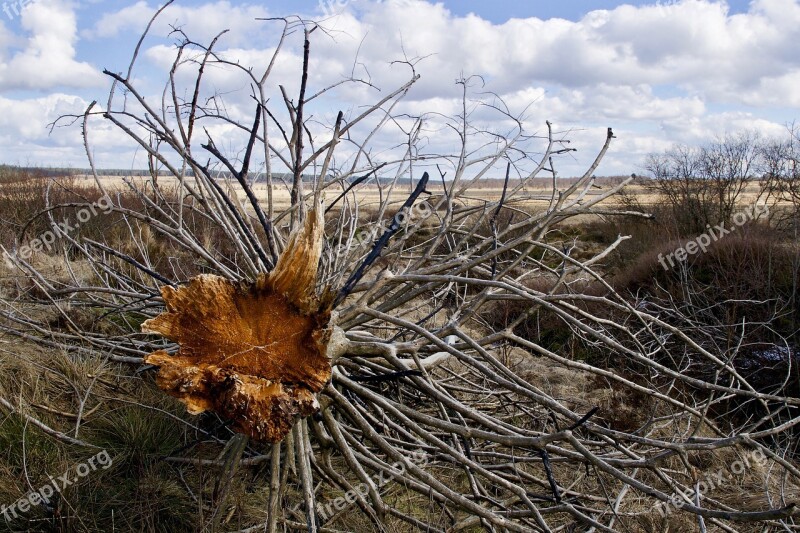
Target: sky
pixel 659 73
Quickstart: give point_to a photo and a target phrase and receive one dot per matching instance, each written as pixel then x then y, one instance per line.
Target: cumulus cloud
pixel 695 44
pixel 46 55
pixel 24 132
pixel 659 72
pixel 27 119
pixel 201 22
pixel 32 134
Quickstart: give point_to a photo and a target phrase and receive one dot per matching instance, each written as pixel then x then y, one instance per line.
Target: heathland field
pixel 533 194
pixel 581 322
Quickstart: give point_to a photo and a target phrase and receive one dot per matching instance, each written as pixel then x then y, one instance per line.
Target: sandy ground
pixel 369 196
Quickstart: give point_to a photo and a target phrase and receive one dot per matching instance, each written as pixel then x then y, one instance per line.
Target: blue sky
pixel 658 72
pixel 499 11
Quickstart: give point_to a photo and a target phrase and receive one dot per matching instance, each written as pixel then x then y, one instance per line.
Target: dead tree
pixel 358 339
pixel 704 185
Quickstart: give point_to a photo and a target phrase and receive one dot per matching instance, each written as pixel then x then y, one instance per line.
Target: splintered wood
pixel 254 353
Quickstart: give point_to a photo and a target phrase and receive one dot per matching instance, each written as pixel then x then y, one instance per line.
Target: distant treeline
pixel 484 183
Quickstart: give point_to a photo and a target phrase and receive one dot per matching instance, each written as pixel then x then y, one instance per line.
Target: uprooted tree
pixel 342 357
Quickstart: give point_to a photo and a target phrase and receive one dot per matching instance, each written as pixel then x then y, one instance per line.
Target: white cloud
pixel 134 17
pixel 695 44
pixel 26 134
pixel 201 22
pixel 27 119
pixel 780 90
pixel 24 131
pixel 46 59
pixel 678 71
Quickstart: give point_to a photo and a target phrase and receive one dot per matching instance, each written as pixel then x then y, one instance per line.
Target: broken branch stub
pixel 254 353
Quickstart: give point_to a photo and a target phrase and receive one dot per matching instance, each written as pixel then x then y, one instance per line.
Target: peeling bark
pixel 254 353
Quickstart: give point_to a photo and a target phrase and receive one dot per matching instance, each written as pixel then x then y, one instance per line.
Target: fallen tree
pixel 356 341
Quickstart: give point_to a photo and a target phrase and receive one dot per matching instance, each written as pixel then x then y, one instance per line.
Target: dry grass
pixel 123 412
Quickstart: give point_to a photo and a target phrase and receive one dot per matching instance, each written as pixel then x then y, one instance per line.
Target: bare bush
pixel 704 184
pixel 781 180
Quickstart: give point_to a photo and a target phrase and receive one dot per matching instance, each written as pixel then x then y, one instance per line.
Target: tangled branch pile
pixel 363 355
